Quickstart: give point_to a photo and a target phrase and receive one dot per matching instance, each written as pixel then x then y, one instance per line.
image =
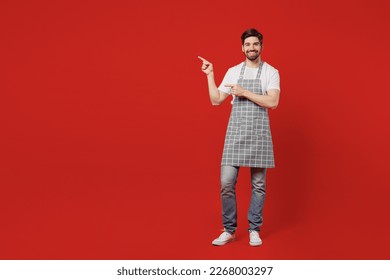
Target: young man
pixel 254 85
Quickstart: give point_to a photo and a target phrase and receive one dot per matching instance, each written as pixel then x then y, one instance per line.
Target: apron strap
pixel 259 71
pixel 242 72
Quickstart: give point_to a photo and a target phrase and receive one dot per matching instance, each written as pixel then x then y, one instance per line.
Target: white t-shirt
pixel 269 77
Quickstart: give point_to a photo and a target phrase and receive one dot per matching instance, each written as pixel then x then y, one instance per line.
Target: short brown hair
pixel 252 33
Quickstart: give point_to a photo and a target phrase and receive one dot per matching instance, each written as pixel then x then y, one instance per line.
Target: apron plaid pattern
pixel 248 140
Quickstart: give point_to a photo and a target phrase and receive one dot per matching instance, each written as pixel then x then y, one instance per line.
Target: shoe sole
pixel 255 244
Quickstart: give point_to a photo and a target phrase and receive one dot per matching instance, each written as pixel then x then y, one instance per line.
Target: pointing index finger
pixel 201 58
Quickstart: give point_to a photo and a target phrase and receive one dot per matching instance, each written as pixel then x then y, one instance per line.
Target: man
pixel 254 85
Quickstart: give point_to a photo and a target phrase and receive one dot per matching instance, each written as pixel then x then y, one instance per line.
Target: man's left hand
pixel 236 89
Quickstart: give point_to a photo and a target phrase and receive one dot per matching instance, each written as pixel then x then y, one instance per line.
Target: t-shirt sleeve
pixel 226 80
pixel 274 82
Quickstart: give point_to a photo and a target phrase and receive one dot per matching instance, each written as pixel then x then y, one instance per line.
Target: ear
pixel 242 48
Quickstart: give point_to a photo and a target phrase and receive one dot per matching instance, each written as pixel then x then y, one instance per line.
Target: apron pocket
pixel 233 127
pixel 262 133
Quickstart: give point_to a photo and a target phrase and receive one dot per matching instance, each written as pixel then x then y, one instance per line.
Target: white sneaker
pixel 224 238
pixel 254 238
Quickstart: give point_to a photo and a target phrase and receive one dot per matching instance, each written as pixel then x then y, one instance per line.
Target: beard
pixel 252 55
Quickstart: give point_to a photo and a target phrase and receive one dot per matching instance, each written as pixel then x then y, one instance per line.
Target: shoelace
pixel 224 234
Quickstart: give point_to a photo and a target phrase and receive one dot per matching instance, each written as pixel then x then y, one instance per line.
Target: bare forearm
pixel 266 101
pixel 215 96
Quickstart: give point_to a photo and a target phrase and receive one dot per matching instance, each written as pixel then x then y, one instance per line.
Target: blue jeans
pixel 229 176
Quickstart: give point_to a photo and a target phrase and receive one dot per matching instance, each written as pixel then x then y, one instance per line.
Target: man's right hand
pixel 207 67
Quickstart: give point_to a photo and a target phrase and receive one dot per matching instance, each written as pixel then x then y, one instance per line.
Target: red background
pixel 110 148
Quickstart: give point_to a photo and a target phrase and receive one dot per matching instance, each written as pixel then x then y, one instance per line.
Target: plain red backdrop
pixel 110 148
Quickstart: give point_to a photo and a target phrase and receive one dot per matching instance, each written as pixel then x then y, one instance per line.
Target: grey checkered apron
pixel 248 140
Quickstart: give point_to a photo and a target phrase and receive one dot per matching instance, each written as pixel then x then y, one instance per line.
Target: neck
pixel 253 63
